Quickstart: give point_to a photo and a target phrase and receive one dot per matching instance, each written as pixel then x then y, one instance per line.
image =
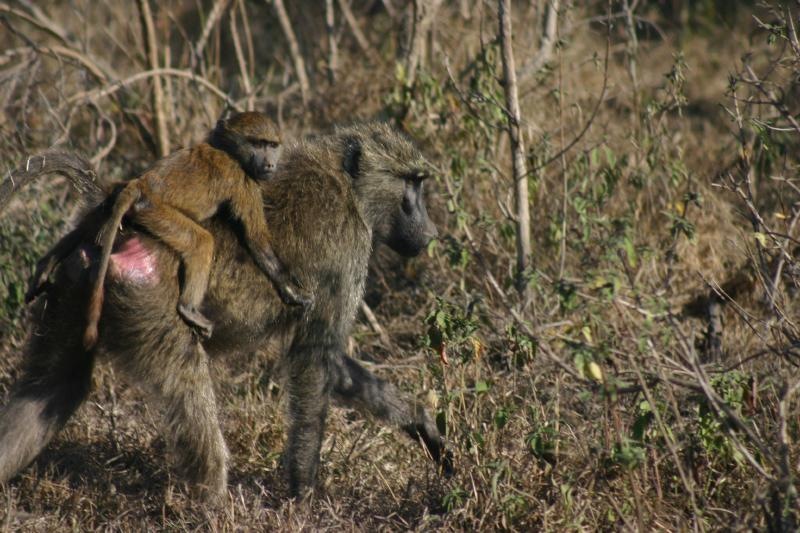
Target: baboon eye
pixel 261 143
pixel 416 177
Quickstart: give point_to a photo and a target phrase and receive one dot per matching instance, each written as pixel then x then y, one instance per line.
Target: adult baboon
pixel 177 193
pixel 362 184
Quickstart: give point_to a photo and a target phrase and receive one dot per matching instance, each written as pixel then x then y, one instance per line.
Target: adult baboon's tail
pixel 79 171
pixel 38 408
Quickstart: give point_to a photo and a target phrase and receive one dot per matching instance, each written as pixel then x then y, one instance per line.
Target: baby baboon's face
pixel 263 160
pixel 253 139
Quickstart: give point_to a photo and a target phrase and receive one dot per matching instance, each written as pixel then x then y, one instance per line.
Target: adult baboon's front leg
pixel 309 390
pixel 355 385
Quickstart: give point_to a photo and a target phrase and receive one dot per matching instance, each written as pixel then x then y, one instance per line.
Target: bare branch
pixel 547 42
pixel 151 52
pixel 44 24
pixel 422 16
pixel 333 50
pixel 375 325
pixel 74 167
pixel 362 41
pixel 523 221
pixel 237 46
pixel 294 50
pixel 213 19
pixel 114 87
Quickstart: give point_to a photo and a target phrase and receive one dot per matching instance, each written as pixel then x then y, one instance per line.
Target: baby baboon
pixel 188 187
pixel 364 185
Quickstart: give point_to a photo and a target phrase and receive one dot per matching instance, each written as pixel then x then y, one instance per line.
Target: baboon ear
pixel 218 130
pixel 352 156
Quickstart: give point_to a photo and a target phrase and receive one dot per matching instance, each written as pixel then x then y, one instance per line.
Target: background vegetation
pixel 642 371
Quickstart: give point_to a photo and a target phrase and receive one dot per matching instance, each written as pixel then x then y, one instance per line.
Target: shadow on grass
pixel 103 466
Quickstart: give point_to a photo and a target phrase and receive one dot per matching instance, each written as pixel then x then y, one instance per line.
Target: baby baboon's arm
pixel 257 241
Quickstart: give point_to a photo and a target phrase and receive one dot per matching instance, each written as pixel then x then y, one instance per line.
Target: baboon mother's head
pixel 388 175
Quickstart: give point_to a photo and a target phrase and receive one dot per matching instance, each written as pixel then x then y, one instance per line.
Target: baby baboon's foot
pixel 194 318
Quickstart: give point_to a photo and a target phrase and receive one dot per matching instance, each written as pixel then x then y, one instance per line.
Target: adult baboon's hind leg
pixel 357 386
pixel 192 424
pixel 55 382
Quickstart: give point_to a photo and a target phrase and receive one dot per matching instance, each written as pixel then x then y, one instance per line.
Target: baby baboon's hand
pixel 196 320
pixel 292 293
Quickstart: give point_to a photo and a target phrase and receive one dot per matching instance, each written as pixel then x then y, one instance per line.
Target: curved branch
pixel 45 26
pixel 70 165
pixel 114 87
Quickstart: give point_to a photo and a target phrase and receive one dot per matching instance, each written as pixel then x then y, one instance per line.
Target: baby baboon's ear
pixel 351 158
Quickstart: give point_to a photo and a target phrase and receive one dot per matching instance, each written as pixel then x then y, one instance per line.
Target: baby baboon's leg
pixel 196 248
pixel 55 382
pixel 309 388
pixel 192 424
pixel 357 386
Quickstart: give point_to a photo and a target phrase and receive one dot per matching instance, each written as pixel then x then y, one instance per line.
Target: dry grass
pixel 669 438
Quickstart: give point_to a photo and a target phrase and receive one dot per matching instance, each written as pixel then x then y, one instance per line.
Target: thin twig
pixel 294 50
pixel 79 172
pixel 237 46
pixel 248 38
pixel 213 19
pixel 95 94
pixel 590 121
pixel 112 140
pixel 362 41
pixel 387 5
pixel 375 325
pixel 44 24
pixel 151 52
pixel 333 49
pixel 547 42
